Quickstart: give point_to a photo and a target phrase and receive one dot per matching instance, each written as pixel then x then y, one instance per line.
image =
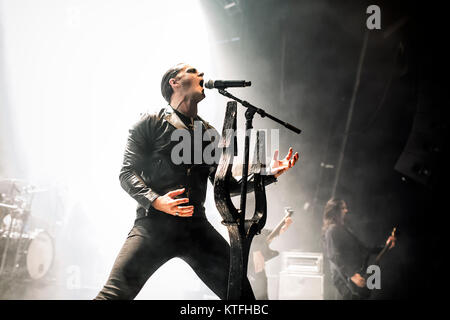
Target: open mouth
pixel 201 83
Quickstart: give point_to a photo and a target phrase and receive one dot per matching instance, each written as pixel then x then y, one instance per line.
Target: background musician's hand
pixel 358 280
pixel 168 204
pixel 287 222
pixel 391 240
pixel 258 261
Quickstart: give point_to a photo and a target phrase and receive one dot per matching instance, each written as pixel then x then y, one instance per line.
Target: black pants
pixel 158 238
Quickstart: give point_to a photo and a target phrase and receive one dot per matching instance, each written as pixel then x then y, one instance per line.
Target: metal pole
pixel 350 113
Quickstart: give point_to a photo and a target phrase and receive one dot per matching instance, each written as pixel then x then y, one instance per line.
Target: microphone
pixel 222 84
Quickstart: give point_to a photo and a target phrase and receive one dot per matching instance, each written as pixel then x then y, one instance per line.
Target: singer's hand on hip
pixel 168 204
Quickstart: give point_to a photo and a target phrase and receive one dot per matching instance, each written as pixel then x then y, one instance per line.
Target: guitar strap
pixel 360 243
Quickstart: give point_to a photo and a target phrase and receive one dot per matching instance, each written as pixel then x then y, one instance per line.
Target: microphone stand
pixel 249 114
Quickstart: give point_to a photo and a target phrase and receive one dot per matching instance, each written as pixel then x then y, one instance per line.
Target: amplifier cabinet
pixel 302 262
pixel 300 286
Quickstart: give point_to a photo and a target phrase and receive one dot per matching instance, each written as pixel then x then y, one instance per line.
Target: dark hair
pixel 166 88
pixel 332 213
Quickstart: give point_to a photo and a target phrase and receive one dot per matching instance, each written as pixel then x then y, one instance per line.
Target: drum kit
pixel 26 252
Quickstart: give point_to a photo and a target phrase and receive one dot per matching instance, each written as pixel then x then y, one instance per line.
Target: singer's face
pixel 191 81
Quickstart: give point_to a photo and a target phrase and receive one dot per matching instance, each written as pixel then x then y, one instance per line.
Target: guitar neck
pixel 382 252
pixel 276 231
pixel 380 255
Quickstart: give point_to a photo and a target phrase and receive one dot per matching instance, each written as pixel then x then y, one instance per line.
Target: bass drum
pixel 29 256
pixel 39 254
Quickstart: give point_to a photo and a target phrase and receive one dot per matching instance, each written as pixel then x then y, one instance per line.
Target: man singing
pixel 171 220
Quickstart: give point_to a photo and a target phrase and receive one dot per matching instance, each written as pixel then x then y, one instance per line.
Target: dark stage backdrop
pixel 303 57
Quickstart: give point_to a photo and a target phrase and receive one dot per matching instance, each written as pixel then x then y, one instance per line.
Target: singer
pixel 170 218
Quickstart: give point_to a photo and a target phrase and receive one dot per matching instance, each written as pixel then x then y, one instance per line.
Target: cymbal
pixel 10 185
pixel 36 190
pixel 4 205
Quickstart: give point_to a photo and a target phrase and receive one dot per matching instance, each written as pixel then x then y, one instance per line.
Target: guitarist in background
pixel 260 253
pixel 345 252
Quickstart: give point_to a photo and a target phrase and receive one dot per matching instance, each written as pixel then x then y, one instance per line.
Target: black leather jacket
pixel 148 171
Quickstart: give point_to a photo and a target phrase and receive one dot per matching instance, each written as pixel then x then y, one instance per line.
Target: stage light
pixel 79 74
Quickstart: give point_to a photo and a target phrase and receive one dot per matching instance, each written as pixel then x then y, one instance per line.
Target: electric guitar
pixel 365 292
pixel 266 251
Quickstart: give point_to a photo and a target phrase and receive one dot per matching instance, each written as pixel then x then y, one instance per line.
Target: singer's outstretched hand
pixel 278 167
